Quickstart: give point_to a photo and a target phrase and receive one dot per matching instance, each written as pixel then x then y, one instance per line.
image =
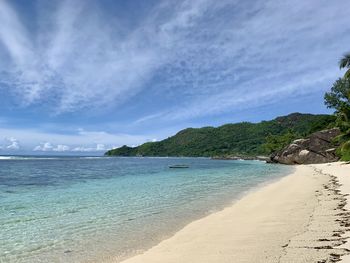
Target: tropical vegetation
pixel 240 139
pixel 338 98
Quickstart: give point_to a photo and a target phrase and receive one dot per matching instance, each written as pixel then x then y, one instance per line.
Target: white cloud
pixel 61 148
pixel 79 141
pixel 37 148
pixel 49 147
pixel 100 147
pixel 81 149
pixel 44 147
pixel 12 144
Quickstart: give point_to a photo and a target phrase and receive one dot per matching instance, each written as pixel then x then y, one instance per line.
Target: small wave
pixel 94 157
pixel 27 158
pixel 5 157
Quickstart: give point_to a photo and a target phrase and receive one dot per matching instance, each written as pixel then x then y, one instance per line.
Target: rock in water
pixel 317 148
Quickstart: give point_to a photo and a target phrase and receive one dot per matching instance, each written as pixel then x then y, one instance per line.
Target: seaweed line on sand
pixel 325 233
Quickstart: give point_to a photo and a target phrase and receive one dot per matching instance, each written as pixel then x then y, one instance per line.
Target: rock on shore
pixel 317 148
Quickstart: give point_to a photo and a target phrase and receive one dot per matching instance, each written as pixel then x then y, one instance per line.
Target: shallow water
pixel 80 209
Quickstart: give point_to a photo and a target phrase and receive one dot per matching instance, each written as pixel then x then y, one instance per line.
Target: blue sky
pixel 86 76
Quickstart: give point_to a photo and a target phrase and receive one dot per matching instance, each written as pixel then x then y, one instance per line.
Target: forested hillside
pixel 243 139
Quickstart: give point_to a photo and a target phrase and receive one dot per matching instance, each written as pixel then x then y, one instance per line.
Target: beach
pixel 302 217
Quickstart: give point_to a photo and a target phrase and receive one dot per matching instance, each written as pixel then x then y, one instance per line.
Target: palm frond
pixel 347 74
pixel 344 62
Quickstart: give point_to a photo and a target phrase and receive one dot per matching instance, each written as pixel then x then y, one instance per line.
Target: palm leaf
pixel 347 74
pixel 345 61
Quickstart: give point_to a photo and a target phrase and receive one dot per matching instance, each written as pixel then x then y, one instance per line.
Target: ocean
pixel 87 209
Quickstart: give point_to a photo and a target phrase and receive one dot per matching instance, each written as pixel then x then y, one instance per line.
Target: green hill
pixel 244 139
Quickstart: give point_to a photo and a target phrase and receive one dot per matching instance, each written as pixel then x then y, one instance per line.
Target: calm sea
pixel 82 209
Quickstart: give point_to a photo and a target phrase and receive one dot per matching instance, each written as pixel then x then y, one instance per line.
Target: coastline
pixel 302 217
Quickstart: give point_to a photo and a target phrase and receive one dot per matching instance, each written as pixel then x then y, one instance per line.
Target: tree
pixel 339 99
pixel 339 96
pixel 345 63
pixel 276 143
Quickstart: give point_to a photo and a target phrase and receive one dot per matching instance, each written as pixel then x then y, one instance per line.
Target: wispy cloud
pixel 82 61
pixel 244 55
pixel 195 58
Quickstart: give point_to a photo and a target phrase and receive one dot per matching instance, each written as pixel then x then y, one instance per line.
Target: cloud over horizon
pixel 80 141
pixel 49 147
pixel 11 144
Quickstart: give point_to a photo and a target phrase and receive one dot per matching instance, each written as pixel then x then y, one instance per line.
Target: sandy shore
pixel 301 218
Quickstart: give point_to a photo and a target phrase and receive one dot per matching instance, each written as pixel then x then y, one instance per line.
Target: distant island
pixel 243 139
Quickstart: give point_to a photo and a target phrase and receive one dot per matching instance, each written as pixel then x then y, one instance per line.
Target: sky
pixel 81 77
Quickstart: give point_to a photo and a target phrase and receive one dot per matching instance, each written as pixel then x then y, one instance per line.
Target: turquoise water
pixel 82 209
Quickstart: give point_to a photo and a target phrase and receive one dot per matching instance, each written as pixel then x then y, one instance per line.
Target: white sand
pixel 342 172
pixel 300 218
